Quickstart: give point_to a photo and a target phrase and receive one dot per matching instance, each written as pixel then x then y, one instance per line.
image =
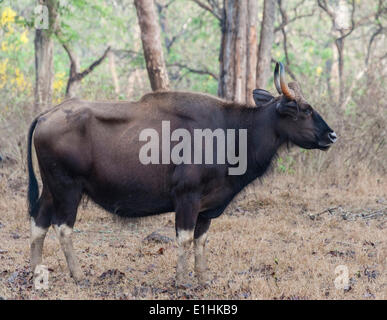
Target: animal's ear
pixel 261 97
pixel 289 108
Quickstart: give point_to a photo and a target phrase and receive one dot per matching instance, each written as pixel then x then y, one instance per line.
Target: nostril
pixel 332 136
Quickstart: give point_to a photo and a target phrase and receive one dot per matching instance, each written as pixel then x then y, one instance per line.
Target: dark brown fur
pixel 93 148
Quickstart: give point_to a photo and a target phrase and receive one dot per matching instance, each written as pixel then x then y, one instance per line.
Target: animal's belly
pixel 129 190
pixel 130 202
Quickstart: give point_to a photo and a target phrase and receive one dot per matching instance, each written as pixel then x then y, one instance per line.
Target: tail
pixel 33 187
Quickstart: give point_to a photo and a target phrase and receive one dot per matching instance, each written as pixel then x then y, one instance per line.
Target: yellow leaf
pixel 23 37
pixel 4 46
pixel 7 16
pixel 319 70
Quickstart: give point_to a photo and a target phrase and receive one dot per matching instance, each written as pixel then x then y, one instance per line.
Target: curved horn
pixel 276 78
pixel 288 93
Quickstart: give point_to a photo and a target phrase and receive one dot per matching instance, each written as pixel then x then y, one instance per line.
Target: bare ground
pixel 282 239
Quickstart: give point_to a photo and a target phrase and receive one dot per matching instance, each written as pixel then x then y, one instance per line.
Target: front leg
pixel 200 238
pixel 184 241
pixel 187 209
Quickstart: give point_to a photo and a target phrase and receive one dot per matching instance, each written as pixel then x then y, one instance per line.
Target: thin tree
pixel 151 43
pixel 75 74
pixel 265 43
pixel 238 48
pixel 240 52
pixel 343 32
pixel 170 38
pixel 285 21
pixel 381 10
pixel 252 49
pixel 113 71
pixel 44 64
pixel 226 61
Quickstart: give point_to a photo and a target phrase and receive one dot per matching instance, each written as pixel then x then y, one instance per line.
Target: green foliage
pixel 285 165
pixel 192 33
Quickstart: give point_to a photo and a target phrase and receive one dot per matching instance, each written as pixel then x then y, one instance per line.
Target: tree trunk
pixel 72 85
pixel 340 51
pixel 252 48
pixel 334 81
pixel 44 66
pixel 226 56
pixel 153 52
pixel 240 54
pixel 328 77
pixel 43 70
pixel 265 44
pixel 113 71
pixel 233 53
pixel 238 49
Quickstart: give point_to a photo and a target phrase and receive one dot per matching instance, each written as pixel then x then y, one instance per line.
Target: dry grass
pixel 276 241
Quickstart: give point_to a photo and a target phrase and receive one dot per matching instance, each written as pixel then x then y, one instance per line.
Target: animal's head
pixel 296 120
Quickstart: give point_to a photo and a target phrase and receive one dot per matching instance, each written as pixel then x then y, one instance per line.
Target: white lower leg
pixel 200 258
pixel 37 235
pixel 64 234
pixel 184 241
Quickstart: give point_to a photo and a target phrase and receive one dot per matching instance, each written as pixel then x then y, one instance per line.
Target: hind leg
pixel 63 220
pixel 39 227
